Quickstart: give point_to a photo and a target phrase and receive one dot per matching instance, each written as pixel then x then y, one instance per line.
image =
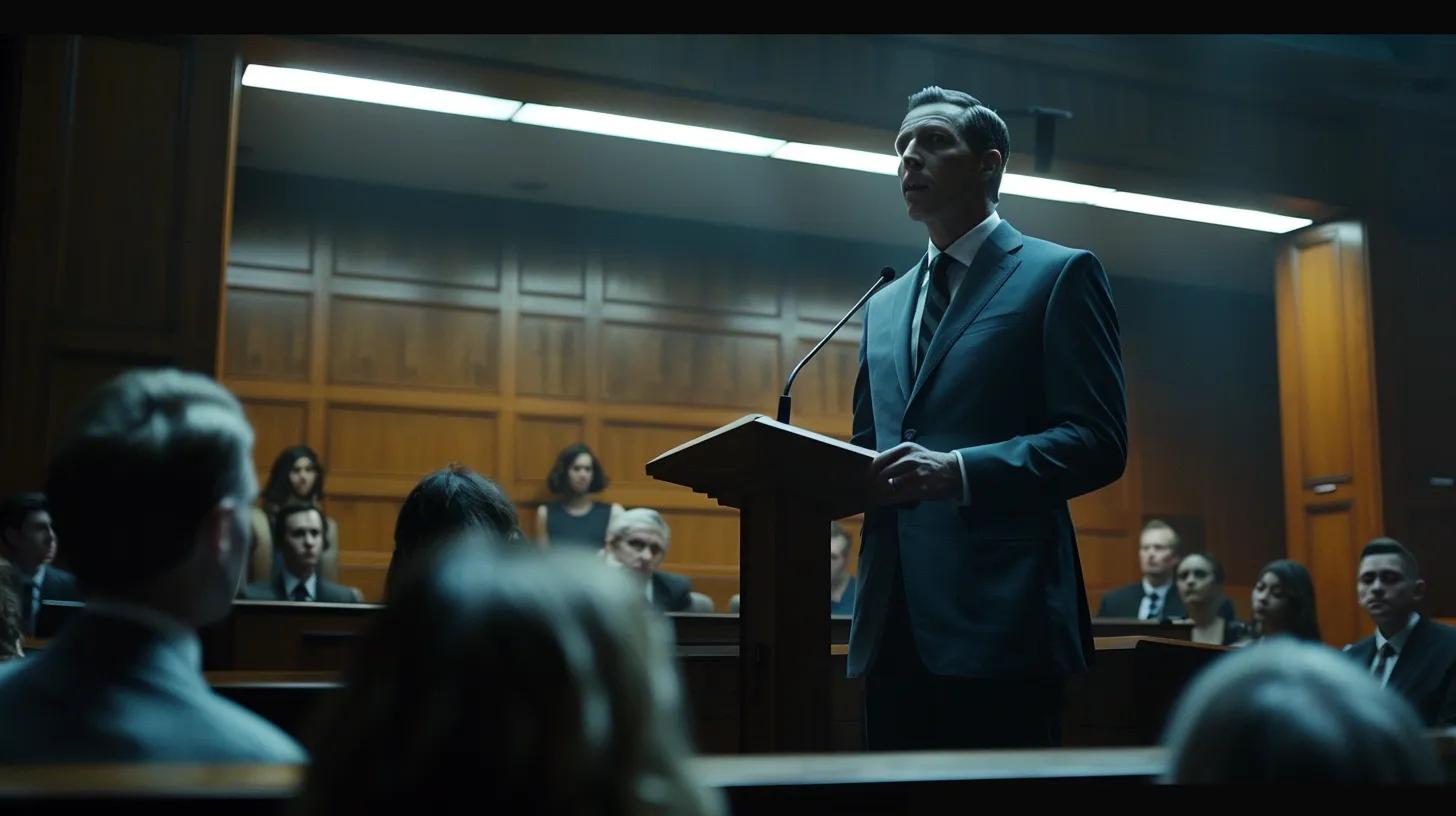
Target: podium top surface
pixel 755 455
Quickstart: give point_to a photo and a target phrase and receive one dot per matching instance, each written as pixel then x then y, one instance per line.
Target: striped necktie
pixel 937 298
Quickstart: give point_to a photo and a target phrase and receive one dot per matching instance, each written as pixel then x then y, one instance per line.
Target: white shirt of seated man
pixel 638 548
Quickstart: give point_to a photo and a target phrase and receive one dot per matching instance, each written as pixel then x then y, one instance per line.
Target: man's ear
pixel 212 532
pixel 992 162
pixel 1420 590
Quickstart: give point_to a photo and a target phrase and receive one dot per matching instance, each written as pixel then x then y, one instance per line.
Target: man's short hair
pixel 1174 541
pixel 1389 546
pixel 639 518
pixel 144 434
pixel 448 504
pixel 293 508
pixel 978 125
pixel 18 507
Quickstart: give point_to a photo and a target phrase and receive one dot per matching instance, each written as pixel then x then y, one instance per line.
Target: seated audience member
pixel 10 634
pixel 297 475
pixel 451 500
pixel 1284 602
pixel 519 681
pixel 299 529
pixel 1155 597
pixel 1200 585
pixel 28 542
pixel 574 518
pixel 123 681
pixel 1294 712
pixel 638 539
pixel 841 583
pixel 1409 653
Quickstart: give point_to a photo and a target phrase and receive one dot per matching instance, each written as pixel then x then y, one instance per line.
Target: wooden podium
pixel 788 484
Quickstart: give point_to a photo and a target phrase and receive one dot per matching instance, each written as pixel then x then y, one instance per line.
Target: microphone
pixel 785 402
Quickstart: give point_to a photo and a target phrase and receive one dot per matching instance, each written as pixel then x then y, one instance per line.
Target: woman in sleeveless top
pixel 575 519
pixel 297 475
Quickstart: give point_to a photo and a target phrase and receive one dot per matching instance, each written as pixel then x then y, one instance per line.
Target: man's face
pixel 34 542
pixel 303 536
pixel 1156 554
pixel 1387 594
pixel 941 177
pixel 639 550
pixel 838 558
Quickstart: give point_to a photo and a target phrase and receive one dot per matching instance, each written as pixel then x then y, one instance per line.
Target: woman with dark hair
pixel 1284 602
pixel 575 518
pixel 451 501
pixel 1199 579
pixel 519 681
pixel 297 475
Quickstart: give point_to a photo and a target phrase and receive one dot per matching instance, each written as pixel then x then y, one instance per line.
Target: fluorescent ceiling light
pixel 649 130
pixel 882 163
pixel 338 86
pixel 631 127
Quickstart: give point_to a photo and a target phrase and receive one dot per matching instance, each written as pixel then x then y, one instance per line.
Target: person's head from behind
pixel 527 682
pixel 1200 580
pixel 450 501
pixel 1159 550
pixel 297 475
pixel 953 153
pixel 1290 711
pixel 27 538
pixel 1283 600
pixel 839 545
pixel 143 434
pixel 577 472
pixel 299 529
pixel 1389 584
pixel 638 540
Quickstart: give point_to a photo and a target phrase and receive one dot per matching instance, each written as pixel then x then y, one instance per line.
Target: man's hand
pixel 910 473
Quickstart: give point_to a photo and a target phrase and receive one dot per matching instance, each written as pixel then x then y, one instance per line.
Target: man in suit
pixel 1156 596
pixel 991 381
pixel 28 542
pixel 842 585
pixel 123 681
pixel 300 528
pixel 1409 652
pixel 637 539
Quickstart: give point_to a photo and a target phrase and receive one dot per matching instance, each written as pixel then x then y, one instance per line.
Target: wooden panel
pixel 121 269
pixel 1331 535
pixel 1323 352
pixel 372 441
pixel 538 441
pixel 366 524
pixel 650 364
pixel 425 243
pixel 1430 535
pixel 378 343
pixel 549 270
pixel 708 538
pixel 71 377
pixel 826 297
pixel 269 236
pixel 267 335
pixel 627 447
pixel 689 279
pixel 826 385
pixel 550 357
pixel 276 426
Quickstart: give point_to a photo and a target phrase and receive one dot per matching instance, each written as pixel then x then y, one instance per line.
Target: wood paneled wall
pixel 399 330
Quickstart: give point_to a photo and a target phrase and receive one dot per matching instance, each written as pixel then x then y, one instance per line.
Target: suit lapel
pixel 903 309
pixel 1412 658
pixel 992 265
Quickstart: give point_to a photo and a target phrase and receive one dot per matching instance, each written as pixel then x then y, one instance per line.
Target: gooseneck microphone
pixel 785 401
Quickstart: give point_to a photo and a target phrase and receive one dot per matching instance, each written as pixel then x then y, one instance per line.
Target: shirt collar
pixel 965 247
pixel 1399 638
pixel 290 581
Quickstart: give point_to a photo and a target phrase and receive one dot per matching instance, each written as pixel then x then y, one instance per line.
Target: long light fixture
pixel 338 86
pixel 631 127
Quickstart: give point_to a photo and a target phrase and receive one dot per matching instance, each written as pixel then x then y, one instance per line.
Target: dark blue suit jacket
pixel 1425 672
pixel 109 690
pixel 1024 379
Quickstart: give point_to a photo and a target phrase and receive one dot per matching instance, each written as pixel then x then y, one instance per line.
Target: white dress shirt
pixel 1398 641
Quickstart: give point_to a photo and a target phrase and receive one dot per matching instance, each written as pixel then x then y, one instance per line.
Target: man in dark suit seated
pixel 1155 597
pixel 123 681
pixel 1409 653
pixel 638 539
pixel 28 542
pixel 301 529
